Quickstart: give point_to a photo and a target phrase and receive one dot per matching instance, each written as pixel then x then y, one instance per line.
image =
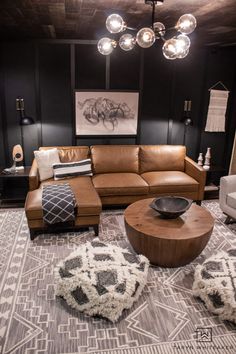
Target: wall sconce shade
pixel 20 106
pixel 187 113
pixel 26 121
pixel 186 119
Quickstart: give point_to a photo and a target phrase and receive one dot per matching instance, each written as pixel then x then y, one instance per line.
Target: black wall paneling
pixel 141 68
pixel 2 145
pixel 125 75
pixel 18 62
pixel 90 67
pixel 124 69
pixel 46 74
pixel 3 129
pixel 188 80
pixel 72 82
pixel 220 67
pixel 55 94
pixel 90 73
pixel 108 70
pixel 38 118
pixel 155 111
pixel 230 125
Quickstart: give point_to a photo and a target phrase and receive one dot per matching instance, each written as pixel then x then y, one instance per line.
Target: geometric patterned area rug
pixel 166 318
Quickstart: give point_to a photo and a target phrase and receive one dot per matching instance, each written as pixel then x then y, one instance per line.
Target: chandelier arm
pixel 172 28
pixel 131 28
pixel 162 38
pixel 153 12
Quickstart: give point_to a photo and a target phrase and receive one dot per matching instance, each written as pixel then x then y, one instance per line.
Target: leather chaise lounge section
pixel 122 174
pixel 89 205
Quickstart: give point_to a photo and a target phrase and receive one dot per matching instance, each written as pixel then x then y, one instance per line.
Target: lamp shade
pixel 26 121
pixel 187 121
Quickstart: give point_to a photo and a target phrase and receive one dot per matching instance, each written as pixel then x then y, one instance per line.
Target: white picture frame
pixel 106 113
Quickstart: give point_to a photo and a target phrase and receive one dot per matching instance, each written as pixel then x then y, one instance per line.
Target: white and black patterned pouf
pixel 215 284
pixel 101 279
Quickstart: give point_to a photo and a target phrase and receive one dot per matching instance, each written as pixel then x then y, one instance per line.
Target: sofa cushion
pixel 115 158
pixel 119 184
pixel 71 153
pixel 45 160
pixel 231 200
pixel 72 169
pixel 169 182
pixel 87 199
pixel 162 158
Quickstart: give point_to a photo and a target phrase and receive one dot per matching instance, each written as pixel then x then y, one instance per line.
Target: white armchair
pixel 228 197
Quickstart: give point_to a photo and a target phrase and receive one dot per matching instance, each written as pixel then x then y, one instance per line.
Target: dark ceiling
pixel 85 19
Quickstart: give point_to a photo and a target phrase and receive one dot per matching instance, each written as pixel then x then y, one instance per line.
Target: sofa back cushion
pixel 162 158
pixel 45 160
pixel 64 170
pixel 71 153
pixel 115 158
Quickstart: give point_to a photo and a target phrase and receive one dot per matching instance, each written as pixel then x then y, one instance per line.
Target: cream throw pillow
pixel 45 160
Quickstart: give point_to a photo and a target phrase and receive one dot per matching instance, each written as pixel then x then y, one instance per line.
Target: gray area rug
pixel 166 318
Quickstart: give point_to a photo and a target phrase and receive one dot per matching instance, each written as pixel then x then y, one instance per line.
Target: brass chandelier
pixel 176 47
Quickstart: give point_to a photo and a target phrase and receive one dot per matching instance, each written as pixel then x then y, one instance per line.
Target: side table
pixel 13 188
pixel 212 182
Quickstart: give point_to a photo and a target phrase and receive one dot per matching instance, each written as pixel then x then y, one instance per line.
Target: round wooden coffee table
pixel 168 242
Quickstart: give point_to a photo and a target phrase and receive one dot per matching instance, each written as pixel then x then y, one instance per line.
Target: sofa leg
pixel 199 202
pixel 32 234
pixel 228 220
pixel 96 229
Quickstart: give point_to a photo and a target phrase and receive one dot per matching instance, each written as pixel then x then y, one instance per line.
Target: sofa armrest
pixel 227 185
pixel 34 176
pixel 198 173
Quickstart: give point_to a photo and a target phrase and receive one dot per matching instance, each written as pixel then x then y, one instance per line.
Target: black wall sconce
pixel 187 117
pixel 20 107
pixel 24 119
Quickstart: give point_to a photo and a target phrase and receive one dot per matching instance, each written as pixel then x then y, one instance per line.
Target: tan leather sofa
pixel 122 174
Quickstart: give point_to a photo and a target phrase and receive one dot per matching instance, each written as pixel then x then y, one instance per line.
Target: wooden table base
pixel 168 242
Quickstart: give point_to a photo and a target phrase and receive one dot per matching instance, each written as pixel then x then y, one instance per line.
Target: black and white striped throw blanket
pixel 58 203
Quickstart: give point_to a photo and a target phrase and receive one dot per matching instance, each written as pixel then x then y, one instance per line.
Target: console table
pixel 13 188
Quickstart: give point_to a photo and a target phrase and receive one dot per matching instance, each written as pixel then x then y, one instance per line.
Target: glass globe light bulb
pixel 127 42
pixel 159 29
pixel 183 54
pixel 184 41
pixel 106 45
pixel 169 49
pixel 115 23
pixel 186 24
pixel 182 46
pixel 145 37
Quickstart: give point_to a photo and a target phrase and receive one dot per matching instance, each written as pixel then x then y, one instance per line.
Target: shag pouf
pixel 215 284
pixel 101 279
